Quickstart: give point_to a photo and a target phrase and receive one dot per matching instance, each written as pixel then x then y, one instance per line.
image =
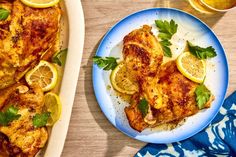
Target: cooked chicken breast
pixel 142 53
pixel 134 115
pixel 22 135
pixel 27 35
pixel 142 57
pixel 176 96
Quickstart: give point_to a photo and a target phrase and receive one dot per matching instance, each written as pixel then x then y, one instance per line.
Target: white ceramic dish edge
pixel 70 77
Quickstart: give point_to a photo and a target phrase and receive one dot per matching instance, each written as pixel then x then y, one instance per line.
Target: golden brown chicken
pixel 142 57
pixel 170 95
pixel 135 117
pixel 27 35
pixel 22 135
pixel 142 53
pixel 177 98
pixel 178 95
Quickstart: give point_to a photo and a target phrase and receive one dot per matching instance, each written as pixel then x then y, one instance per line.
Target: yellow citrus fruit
pixel 44 74
pixel 191 67
pixel 121 81
pixel 40 3
pixel 53 105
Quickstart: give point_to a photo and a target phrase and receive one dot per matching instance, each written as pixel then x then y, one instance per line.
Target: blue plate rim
pixel 158 9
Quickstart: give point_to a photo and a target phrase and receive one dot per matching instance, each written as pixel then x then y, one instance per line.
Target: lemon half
pixel 191 67
pixel 40 3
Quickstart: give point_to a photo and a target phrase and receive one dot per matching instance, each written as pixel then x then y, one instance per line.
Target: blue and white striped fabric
pixel 218 139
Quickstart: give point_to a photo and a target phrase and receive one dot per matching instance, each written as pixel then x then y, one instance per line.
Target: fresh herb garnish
pixel 9 115
pixel 143 107
pixel 202 53
pixel 166 31
pixel 4 13
pixel 202 95
pixel 107 63
pixel 60 57
pixel 40 120
pixel 165 46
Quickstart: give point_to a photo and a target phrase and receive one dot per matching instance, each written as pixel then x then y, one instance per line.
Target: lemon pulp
pixel 191 67
pixel 121 81
pixel 44 74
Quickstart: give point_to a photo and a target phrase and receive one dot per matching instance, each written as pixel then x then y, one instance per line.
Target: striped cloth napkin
pixel 218 139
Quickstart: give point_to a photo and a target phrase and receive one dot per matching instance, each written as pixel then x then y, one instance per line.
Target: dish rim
pixel 76 35
pixel 161 8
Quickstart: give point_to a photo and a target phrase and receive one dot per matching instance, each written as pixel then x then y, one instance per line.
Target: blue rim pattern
pixel 98 87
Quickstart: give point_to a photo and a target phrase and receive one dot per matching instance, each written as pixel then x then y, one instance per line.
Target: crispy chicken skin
pixel 27 35
pixel 142 52
pixel 170 95
pixel 177 95
pixel 142 57
pixel 21 133
pixel 177 98
pixel 134 116
pixel 151 91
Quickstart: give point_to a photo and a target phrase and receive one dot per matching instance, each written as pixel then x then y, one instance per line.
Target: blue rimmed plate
pixel 189 28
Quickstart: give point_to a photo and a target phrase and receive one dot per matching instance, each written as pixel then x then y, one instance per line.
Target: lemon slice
pixel 53 105
pixel 40 3
pixel 44 74
pixel 191 67
pixel 121 81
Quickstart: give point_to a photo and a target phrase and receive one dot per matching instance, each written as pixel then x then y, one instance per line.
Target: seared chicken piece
pixel 142 57
pixel 151 91
pixel 27 35
pixel 142 53
pixel 21 133
pixel 176 96
pixel 134 116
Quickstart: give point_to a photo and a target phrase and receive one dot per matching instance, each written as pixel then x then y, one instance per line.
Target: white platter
pixel 72 36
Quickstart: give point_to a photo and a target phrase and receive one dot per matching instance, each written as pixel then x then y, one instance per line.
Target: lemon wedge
pixel 121 81
pixel 44 74
pixel 53 105
pixel 191 67
pixel 40 3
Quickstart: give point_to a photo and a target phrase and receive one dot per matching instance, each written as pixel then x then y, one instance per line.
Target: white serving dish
pixel 72 36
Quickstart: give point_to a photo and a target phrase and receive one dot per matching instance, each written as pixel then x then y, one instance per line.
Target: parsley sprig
pixel 4 13
pixel 143 107
pixel 106 63
pixel 40 120
pixel 201 53
pixel 202 95
pixel 9 115
pixel 166 31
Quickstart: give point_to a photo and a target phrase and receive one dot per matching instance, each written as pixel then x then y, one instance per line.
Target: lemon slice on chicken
pixel 44 74
pixel 191 67
pixel 40 3
pixel 121 81
pixel 52 104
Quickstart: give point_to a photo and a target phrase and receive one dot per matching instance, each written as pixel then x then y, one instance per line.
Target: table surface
pixel 90 133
